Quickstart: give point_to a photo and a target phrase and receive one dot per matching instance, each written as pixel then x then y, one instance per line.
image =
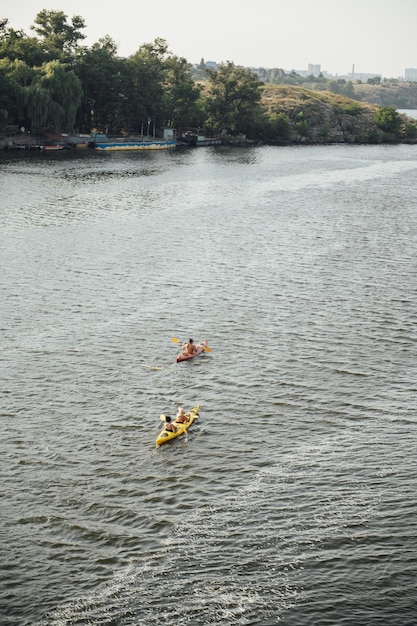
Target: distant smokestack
pixel 353 70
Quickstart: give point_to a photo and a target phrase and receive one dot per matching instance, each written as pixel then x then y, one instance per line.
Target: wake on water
pixel 205 574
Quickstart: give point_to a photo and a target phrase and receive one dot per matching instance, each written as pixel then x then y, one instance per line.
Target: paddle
pixel 175 340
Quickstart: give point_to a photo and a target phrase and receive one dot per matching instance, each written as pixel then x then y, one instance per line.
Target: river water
pixel 293 499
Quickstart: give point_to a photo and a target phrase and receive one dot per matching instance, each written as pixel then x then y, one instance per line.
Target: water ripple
pixel 292 498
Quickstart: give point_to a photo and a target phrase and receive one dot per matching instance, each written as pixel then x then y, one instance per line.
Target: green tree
pixel 60 38
pixel 38 93
pixel 9 90
pixel 233 99
pixel 389 121
pixel 147 71
pixel 341 86
pixel 18 71
pixel 65 90
pixel 42 97
pixel 102 76
pixel 16 77
pixel 15 45
pixel 279 127
pixel 410 129
pixel 182 95
pixel 41 111
pixel 301 124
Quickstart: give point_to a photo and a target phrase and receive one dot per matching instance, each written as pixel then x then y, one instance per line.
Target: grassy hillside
pixel 322 116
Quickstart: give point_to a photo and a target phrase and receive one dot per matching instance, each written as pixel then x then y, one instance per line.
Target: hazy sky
pixel 376 36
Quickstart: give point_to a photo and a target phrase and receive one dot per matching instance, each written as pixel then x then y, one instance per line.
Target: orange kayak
pixel 187 357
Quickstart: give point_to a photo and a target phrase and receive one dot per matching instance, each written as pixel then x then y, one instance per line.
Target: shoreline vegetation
pixel 49 82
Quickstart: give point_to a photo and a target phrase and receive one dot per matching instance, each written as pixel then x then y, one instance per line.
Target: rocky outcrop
pixel 322 117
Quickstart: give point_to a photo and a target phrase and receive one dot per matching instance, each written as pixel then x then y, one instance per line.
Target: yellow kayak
pixel 167 435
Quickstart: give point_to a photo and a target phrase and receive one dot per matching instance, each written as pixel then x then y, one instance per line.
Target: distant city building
pixel 361 76
pixel 314 70
pixel 410 73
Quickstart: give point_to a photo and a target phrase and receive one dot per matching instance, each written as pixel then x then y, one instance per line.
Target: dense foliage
pixel 49 80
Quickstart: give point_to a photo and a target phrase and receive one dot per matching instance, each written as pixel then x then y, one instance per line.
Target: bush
pixel 388 120
pixel 280 127
pixel 410 130
pixel 302 124
pixel 349 108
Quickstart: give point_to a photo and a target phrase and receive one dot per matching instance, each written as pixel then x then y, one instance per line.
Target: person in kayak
pixel 189 348
pixel 182 416
pixel 169 425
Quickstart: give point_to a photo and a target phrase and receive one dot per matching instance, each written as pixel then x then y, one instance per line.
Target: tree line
pixel 50 80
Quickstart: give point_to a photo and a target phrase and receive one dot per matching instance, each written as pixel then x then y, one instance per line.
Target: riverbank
pixel 296 116
pixel 319 117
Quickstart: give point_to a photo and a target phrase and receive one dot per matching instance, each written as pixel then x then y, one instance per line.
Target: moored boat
pixel 133 145
pixel 194 140
pixel 167 435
